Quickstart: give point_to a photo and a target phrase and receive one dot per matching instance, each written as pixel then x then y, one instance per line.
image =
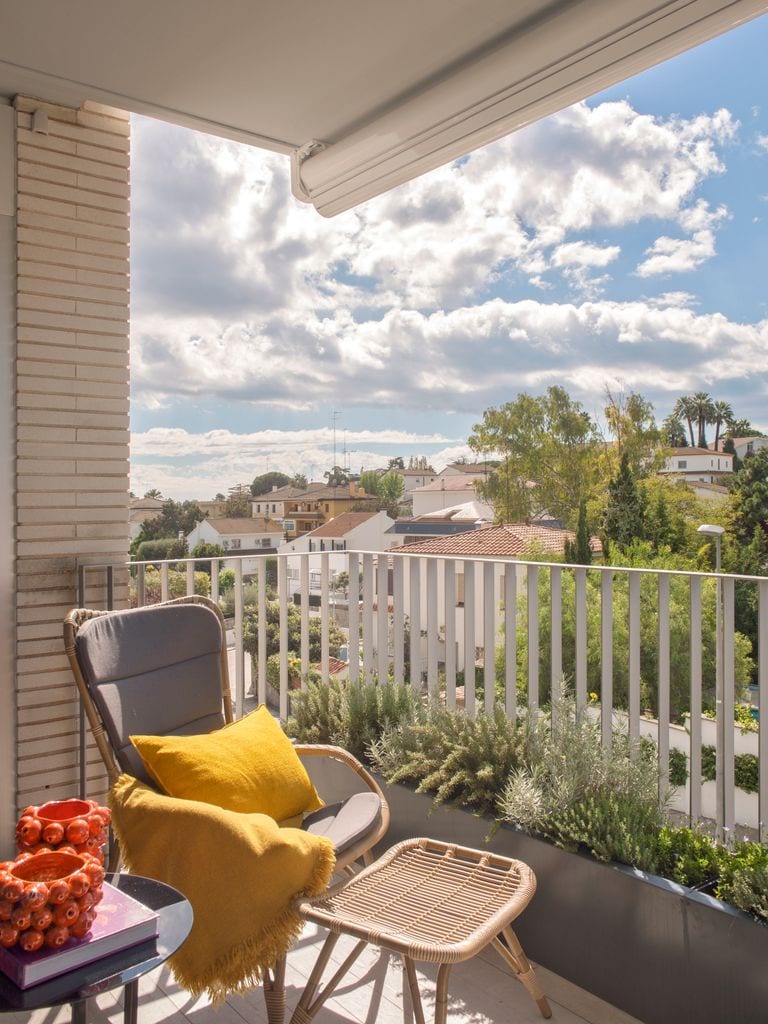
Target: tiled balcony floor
pixel 481 991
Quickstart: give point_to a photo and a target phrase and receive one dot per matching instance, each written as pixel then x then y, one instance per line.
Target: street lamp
pixel 712 530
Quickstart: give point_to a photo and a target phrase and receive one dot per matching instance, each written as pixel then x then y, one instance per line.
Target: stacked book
pixel 121 922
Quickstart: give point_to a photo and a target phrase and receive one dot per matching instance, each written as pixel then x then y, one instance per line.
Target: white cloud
pixel 762 141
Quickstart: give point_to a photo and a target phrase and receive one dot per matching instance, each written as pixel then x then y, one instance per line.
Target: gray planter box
pixel 655 949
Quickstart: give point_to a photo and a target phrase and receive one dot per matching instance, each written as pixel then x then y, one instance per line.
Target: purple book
pixel 121 922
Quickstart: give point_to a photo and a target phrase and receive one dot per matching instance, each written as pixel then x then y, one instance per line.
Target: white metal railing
pixel 454 626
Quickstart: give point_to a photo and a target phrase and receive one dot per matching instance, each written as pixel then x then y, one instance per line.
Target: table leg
pixel 131 1002
pixel 306 1008
pixel 78 1012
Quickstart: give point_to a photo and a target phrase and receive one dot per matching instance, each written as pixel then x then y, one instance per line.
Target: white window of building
pixel 682 464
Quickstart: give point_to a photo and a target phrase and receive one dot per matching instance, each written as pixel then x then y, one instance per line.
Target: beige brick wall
pixel 72 429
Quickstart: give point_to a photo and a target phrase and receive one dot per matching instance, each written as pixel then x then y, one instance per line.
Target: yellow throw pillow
pixel 249 765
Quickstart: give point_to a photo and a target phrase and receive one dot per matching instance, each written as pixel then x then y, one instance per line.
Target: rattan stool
pixel 430 902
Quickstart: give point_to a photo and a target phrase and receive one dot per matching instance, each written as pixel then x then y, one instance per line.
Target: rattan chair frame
pixel 274 981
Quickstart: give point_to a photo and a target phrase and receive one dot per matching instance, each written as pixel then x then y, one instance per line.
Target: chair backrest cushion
pixel 154 670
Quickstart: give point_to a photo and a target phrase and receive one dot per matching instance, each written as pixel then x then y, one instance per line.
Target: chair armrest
pixel 349 761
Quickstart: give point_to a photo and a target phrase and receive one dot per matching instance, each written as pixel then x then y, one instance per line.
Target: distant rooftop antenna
pixel 334 416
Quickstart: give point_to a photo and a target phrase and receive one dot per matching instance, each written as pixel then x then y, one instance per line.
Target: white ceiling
pixel 389 88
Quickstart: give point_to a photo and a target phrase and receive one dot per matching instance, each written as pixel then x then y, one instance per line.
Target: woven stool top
pixel 433 901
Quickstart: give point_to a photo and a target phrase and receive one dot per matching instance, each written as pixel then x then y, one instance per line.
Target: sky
pixel 621 243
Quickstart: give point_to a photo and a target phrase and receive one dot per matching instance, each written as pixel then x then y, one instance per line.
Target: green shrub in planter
pixel 352 715
pixel 744 878
pixel 688 856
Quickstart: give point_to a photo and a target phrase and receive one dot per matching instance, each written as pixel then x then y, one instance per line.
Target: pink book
pixel 121 922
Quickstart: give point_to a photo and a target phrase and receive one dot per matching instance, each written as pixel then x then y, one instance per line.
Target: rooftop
pixel 510 541
pixel 341 525
pixel 448 483
pixel 245 524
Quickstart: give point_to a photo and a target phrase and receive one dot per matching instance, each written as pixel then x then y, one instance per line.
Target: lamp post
pixel 712 530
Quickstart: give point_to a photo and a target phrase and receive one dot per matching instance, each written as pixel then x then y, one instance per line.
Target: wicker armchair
pixel 162 670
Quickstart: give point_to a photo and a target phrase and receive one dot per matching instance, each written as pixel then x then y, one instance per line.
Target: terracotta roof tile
pixel 509 541
pixel 340 525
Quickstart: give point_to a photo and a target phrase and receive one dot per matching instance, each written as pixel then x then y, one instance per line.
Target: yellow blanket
pixel 240 872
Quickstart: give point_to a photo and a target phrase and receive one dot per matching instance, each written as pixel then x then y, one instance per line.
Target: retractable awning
pixel 364 96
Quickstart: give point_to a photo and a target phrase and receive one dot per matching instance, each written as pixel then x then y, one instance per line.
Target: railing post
pixel 634 656
pixel 556 636
pixel 762 699
pixel 726 710
pixel 606 658
pixel 353 611
pixel 414 638
pixel 510 639
pixel 663 687
pixel 239 673
pixel 580 628
pixel 324 627
pixel 449 586
pixel 382 617
pixel 398 624
pixel 304 616
pixel 432 639
pixel 469 637
pixel 694 774
pixel 532 593
pixel 368 618
pixel 489 636
pixel 282 597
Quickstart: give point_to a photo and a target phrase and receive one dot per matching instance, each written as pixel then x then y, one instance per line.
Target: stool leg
pixel 306 1008
pixel 413 986
pixel 441 994
pixel 274 993
pixel 512 954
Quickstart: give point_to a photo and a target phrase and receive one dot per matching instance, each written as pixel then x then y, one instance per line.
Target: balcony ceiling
pixel 389 89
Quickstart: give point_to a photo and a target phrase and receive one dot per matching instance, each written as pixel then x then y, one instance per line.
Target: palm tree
pixel 723 414
pixel 684 410
pixel 153 492
pixel 704 414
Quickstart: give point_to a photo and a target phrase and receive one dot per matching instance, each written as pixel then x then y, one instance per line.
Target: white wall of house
pixel 249 539
pixel 426 501
pixel 749 445
pixel 7 483
pixel 696 464
pixel 368 536
pixel 71 418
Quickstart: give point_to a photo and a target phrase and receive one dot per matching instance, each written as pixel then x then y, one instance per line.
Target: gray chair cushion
pixel 153 671
pixel 346 822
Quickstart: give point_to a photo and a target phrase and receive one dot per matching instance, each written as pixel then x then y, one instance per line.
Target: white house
pixel 447 492
pixel 745 446
pixel 239 536
pixel 474 470
pixel 698 464
pixel 350 531
pixel 413 478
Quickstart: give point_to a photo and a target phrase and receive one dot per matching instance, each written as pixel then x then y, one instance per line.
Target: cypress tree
pixel 625 510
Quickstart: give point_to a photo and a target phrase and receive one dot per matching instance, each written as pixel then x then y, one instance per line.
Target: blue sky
pixel 621 243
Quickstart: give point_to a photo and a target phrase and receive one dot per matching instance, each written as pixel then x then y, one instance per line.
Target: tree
pixel 396 463
pixel 579 551
pixel 685 410
pixel 723 414
pixel 175 517
pixel 705 413
pixel 299 480
pixel 631 421
pixel 547 445
pixel 369 481
pixel 153 493
pixel 251 632
pixel 263 484
pixel 159 549
pixel 205 550
pixel 238 506
pixel 673 432
pixel 624 516
pixel 742 428
pixel 337 477
pixel 749 497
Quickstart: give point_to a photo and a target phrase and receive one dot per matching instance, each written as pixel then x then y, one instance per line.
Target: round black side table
pixel 122 969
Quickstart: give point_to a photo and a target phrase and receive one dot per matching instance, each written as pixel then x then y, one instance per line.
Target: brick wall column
pixel 72 427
